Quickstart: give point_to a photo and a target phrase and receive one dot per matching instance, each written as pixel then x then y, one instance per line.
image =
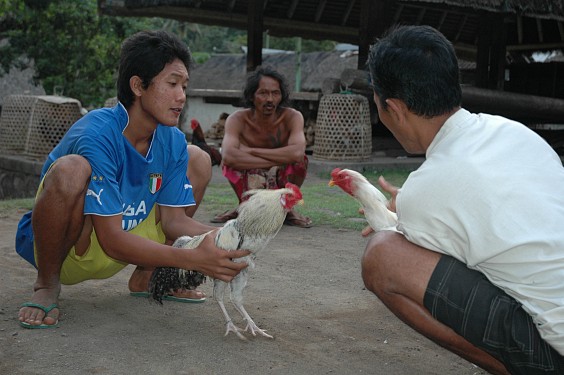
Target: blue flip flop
pixel 170 298
pixel 46 310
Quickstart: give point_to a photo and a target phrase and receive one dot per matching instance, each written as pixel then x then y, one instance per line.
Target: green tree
pixel 74 50
pixel 308 45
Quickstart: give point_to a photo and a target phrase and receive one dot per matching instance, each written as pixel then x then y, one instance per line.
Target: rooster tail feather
pixel 166 280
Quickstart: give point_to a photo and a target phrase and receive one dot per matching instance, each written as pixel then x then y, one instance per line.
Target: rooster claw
pixel 254 330
pixel 233 328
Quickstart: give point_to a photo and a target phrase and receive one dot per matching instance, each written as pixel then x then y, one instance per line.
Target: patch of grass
pixel 9 206
pixel 331 206
pixel 219 198
pixel 325 205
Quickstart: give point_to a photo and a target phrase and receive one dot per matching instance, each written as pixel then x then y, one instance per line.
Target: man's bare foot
pixel 295 219
pixel 139 282
pixel 42 311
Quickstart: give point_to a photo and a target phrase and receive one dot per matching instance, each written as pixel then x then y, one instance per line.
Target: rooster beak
pixel 331 183
pixel 301 202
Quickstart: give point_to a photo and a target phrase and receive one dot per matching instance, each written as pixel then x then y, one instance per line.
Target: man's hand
pixel 218 263
pixel 393 190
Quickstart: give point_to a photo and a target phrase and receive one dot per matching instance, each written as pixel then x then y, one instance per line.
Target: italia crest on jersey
pixel 155 182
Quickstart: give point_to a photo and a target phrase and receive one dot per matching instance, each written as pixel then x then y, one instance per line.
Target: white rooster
pixel 372 201
pixel 259 220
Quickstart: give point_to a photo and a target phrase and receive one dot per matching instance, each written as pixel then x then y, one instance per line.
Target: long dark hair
pixel 253 80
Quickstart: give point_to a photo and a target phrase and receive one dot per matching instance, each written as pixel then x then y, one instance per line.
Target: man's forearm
pixel 280 156
pixel 245 160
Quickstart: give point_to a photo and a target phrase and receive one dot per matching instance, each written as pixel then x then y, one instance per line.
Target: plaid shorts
pixel 466 301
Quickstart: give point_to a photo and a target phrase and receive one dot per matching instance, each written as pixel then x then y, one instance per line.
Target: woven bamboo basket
pixel 34 125
pixel 343 130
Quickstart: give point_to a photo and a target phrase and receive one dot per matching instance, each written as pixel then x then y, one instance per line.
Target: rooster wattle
pixel 259 220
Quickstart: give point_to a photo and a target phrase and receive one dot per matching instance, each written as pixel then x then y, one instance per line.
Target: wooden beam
pixel 320 10
pixel 519 29
pixel 397 15
pixel 490 57
pixel 280 27
pixel 255 27
pixel 499 51
pixel 442 20
pixel 373 23
pixel 420 16
pixel 292 8
pixel 539 30
pixel 460 28
pixel 528 47
pixel 483 53
pixel 347 12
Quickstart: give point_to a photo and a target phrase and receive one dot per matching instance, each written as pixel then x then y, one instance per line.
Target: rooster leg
pixel 237 286
pixel 251 325
pixel 219 288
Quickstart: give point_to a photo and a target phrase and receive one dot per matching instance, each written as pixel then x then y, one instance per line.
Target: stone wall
pixel 19 177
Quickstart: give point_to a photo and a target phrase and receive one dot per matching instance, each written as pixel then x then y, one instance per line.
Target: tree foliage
pixel 74 51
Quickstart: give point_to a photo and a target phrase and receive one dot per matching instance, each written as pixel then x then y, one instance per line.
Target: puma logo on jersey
pixel 93 194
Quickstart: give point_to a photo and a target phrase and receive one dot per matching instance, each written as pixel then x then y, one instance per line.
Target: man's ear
pixel 397 109
pixel 136 85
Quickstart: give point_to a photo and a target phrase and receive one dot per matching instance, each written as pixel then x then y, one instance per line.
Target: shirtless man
pixel 264 144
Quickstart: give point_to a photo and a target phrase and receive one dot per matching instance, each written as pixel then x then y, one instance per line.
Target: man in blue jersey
pixel 122 185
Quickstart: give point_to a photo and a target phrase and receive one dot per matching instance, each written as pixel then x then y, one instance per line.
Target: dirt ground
pixel 306 290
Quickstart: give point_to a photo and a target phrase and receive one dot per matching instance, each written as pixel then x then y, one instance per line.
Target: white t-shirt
pixel 491 194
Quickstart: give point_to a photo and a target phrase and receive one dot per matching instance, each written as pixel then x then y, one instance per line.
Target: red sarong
pixel 273 178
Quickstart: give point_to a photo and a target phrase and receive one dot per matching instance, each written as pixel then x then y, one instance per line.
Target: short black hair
pixel 418 65
pixel 145 54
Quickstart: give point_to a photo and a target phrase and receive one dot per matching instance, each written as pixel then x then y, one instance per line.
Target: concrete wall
pixel 206 113
pixel 19 177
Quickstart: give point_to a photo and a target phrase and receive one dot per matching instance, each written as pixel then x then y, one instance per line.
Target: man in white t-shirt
pixel 478 265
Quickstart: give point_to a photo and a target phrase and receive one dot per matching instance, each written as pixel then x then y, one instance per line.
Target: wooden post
pixel 373 23
pixel 255 27
pixel 498 52
pixel 490 58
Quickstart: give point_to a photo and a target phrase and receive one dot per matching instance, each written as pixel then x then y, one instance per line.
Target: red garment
pixel 273 178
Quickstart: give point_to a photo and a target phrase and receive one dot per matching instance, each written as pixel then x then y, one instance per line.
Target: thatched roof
pixel 549 9
pixel 340 19
pixel 228 72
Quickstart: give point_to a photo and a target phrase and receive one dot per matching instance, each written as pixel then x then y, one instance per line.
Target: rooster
pixel 259 219
pixel 199 140
pixel 373 202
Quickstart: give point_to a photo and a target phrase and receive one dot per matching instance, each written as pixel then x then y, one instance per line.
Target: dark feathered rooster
pixel 199 140
pixel 373 202
pixel 259 220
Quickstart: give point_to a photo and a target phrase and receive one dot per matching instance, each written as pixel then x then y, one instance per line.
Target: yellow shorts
pixel 95 263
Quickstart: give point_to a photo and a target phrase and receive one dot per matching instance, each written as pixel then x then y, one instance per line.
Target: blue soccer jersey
pixel 124 181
